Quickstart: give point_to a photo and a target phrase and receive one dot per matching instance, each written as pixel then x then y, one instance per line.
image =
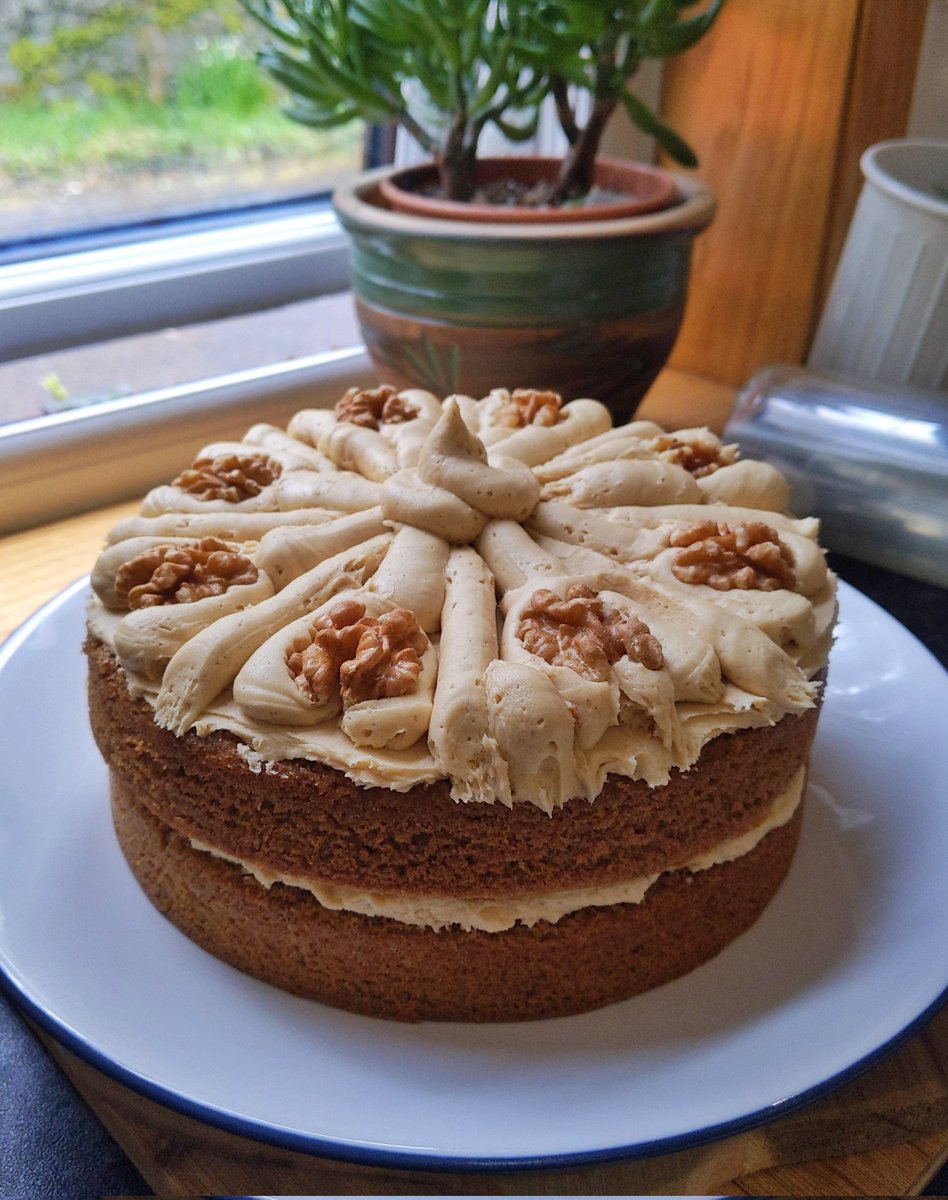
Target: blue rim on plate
pixel 367 1156
pixel 56 1021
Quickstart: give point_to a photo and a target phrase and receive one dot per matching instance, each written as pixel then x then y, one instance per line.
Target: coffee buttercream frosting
pixel 505 592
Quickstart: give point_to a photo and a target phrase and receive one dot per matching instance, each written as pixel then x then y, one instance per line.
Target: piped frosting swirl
pixel 454 490
pixel 559 638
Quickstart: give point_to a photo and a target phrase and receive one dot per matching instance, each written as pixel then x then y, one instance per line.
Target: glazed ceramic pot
pixel 589 307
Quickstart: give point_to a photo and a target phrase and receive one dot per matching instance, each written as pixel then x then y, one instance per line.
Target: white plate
pixel 848 959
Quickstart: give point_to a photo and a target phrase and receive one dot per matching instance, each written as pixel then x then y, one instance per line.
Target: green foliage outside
pixel 119 136
pixel 217 115
pixel 223 79
pixel 79 52
pixel 72 113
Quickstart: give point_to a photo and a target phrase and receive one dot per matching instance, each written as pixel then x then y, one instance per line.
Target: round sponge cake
pixel 467 710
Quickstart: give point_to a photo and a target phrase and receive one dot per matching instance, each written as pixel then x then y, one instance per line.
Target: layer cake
pixel 462 709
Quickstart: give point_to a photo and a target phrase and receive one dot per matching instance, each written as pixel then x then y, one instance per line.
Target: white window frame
pixel 203 268
pixel 63 463
pixel 68 462
pixel 210 270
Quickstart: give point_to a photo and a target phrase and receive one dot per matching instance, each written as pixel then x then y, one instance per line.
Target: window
pixel 56 465
pixel 117 113
pixel 151 190
pixel 149 177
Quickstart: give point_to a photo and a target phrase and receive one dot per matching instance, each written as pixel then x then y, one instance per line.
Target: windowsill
pixel 174 356
pixel 57 465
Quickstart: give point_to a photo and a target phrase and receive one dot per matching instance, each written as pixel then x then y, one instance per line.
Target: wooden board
pixel 779 101
pixel 881 1134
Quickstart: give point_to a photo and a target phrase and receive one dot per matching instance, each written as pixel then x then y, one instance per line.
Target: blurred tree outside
pixel 114 110
pixel 93 49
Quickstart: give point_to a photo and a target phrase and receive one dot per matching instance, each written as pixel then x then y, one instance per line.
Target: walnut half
pixel 527 406
pixel 700 456
pixel 584 633
pixel 231 477
pixel 372 407
pixel 178 574
pixel 367 658
pixel 747 556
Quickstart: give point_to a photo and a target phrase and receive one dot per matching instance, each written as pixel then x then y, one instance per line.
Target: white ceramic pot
pixel 886 316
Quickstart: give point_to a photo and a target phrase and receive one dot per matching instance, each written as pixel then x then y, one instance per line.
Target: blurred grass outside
pixel 219 136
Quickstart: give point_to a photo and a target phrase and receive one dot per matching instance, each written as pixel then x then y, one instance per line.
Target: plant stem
pixel 564 110
pixel 579 161
pixel 455 162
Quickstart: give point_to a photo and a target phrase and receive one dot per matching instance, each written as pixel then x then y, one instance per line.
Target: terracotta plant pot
pixel 587 307
pixel 638 189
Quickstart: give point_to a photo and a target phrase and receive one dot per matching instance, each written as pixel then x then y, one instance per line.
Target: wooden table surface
pixel 882 1133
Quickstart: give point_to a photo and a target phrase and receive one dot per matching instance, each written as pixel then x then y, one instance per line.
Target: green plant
pixel 445 70
pixel 442 69
pixel 596 48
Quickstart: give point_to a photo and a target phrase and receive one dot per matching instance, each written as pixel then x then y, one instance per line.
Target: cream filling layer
pixel 494 916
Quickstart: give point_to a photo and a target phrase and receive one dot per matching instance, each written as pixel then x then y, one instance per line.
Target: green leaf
pixel 446 43
pixel 580 20
pixel 376 18
pixel 680 36
pixel 495 77
pixel 517 133
pixel 657 12
pixel 285 31
pixel 324 84
pixel 318 118
pixel 642 116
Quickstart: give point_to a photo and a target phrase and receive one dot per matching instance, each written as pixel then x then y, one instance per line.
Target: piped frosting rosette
pixel 505 592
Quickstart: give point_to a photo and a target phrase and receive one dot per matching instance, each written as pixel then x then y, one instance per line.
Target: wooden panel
pixel 678 401
pixel 778 102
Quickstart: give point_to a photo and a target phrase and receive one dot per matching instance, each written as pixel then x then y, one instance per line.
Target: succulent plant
pixel 445 70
